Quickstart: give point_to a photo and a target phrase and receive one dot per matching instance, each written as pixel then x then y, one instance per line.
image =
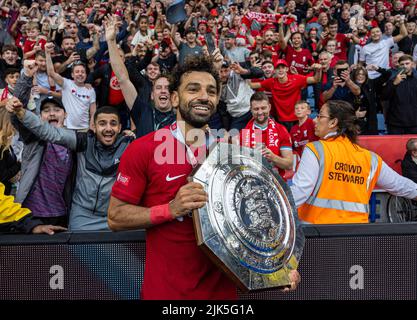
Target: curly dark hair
pixel 194 63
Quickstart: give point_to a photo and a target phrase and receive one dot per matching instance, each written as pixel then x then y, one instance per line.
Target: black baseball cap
pixel 53 100
pixel 225 64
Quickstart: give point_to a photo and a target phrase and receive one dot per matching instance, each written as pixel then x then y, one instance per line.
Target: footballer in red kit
pixel 152 192
pixel 153 178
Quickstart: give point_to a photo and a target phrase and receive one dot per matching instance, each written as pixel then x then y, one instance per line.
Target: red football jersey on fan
pixel 342 44
pixel 275 139
pixel 301 60
pixel 301 135
pixel 285 95
pixel 29 44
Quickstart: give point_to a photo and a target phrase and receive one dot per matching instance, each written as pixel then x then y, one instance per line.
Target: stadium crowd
pixel 81 80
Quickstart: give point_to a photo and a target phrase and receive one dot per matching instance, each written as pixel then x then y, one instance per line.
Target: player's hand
pixel 189 197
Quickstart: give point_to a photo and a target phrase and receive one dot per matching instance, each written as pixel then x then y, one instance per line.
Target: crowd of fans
pixel 73 74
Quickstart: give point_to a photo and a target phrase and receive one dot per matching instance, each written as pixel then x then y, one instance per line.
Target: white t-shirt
pixel 377 54
pixel 77 101
pixel 140 38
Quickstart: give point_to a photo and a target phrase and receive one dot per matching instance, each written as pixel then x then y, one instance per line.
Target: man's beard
pixel 195 121
pixel 68 52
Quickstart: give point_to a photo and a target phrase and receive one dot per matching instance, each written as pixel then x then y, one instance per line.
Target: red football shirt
pixel 29 44
pixel 301 135
pixel 150 173
pixel 299 59
pixel 285 95
pixel 276 140
pixel 342 45
pixel 115 93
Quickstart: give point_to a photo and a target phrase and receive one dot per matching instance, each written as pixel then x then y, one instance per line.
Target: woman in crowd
pixel 9 166
pixel 336 176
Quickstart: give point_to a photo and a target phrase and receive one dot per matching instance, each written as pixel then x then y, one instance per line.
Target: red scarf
pixel 5 94
pixel 264 18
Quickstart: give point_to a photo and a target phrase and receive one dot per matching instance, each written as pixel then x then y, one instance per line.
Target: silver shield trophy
pixel 249 226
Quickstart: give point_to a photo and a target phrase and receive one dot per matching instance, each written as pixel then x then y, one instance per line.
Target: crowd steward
pixel 81 80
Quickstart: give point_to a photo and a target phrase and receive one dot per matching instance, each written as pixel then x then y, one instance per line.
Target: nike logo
pixel 168 178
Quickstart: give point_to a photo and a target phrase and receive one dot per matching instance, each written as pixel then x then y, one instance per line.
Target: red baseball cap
pixel 281 61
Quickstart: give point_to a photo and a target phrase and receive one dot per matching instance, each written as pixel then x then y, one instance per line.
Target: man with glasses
pixel 336 177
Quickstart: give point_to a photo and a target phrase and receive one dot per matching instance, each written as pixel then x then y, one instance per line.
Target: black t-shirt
pixel 168 64
pixel 148 119
pixel 62 58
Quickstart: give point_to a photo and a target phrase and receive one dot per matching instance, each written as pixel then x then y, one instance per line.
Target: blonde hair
pixel 6 131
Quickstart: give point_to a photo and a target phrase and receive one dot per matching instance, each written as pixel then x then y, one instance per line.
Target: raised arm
pixel 174 37
pixel 317 74
pixel 128 89
pixel 40 128
pixel 49 48
pixel 96 44
pixel 282 38
pixel 403 31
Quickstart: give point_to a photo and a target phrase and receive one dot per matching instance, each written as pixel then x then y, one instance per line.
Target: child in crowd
pixel 303 132
pixel 34 42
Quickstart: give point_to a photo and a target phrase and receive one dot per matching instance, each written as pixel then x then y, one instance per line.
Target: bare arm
pixel 255 85
pixel 354 88
pixel 174 35
pixel 285 161
pixel 317 74
pixel 403 32
pixel 189 21
pixel 329 93
pixel 50 67
pixel 128 89
pixel 125 216
pixel 93 108
pixel 282 39
pixel 95 48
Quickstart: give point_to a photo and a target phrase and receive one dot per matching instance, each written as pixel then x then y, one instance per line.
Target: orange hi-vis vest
pixel 347 176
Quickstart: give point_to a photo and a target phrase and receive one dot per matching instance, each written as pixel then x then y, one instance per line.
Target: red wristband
pixel 161 214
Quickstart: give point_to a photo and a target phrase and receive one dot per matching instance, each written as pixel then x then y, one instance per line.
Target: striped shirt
pixel 46 198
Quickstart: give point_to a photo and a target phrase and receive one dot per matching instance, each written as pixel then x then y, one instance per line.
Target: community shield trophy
pixel 249 226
